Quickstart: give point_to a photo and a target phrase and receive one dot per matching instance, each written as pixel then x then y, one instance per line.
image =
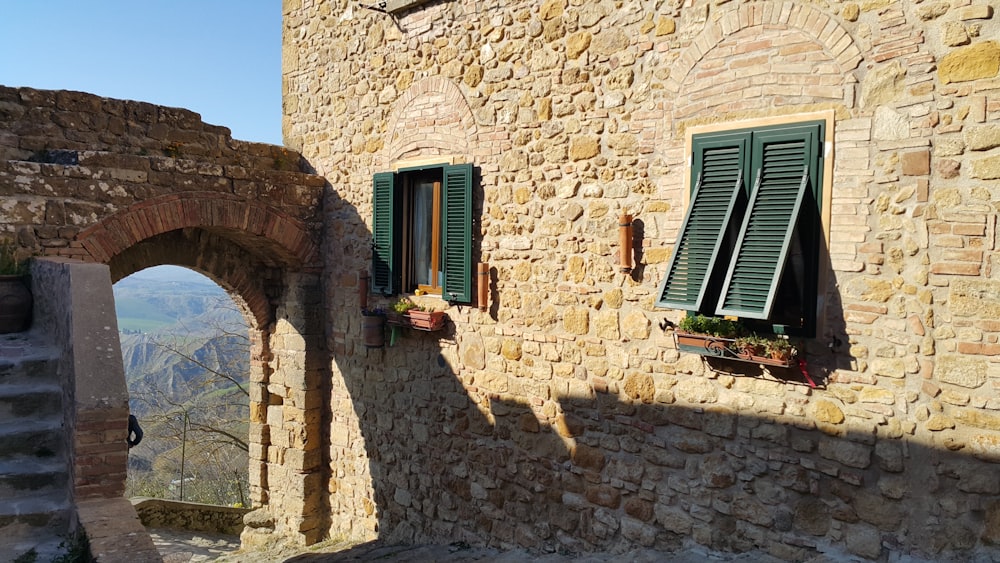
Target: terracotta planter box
pixel 426 320
pixel 715 347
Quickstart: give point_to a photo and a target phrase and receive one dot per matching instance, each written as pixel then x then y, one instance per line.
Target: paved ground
pixel 178 546
pixel 183 546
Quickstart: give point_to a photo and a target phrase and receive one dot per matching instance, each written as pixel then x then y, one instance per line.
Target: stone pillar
pixel 286 415
pixel 76 311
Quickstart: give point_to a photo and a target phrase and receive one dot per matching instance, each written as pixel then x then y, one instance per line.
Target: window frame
pixel 409 180
pixel 696 138
pixel 392 228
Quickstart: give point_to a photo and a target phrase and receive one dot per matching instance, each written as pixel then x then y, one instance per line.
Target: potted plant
pixel 708 336
pixel 373 327
pixel 751 346
pixel 780 349
pixel 423 319
pixel 396 315
pixel 15 293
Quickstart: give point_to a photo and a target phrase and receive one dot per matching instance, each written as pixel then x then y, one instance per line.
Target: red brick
pixel 969 348
pixel 916 163
pixel 957 269
pixel 971 229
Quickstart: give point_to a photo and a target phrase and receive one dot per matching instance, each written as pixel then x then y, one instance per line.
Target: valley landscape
pixel 185 351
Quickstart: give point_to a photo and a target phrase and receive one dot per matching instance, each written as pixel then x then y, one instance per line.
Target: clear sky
pixel 219 58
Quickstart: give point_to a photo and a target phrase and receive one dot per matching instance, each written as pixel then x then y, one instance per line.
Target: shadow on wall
pixel 586 472
pixel 512 454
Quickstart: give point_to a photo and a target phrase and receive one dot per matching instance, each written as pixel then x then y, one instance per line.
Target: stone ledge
pixel 162 513
pixel 115 532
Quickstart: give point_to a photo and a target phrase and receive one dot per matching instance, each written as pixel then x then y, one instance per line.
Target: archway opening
pixel 186 352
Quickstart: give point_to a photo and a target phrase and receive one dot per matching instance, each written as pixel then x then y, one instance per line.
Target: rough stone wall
pixel 162 513
pixel 563 417
pixel 133 185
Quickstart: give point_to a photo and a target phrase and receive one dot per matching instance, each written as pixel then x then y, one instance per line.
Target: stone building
pixel 563 416
pixel 826 170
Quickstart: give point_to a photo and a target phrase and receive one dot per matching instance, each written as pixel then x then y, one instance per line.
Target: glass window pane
pixel 423 223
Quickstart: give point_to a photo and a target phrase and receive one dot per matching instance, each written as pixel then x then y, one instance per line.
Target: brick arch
pixel 233 240
pixel 158 215
pixel 836 41
pixel 761 69
pixel 241 273
pixel 449 127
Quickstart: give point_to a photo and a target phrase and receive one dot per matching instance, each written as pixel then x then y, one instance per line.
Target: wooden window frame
pixel 409 179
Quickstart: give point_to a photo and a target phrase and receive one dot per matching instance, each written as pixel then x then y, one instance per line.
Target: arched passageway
pixel 166 188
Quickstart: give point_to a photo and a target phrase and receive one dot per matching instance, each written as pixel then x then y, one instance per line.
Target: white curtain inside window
pixel 423 224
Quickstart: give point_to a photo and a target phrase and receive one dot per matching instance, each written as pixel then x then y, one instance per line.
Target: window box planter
pixel 426 320
pixel 716 347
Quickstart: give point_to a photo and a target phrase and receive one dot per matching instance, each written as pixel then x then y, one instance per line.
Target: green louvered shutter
pixel 456 256
pixel 719 163
pixel 782 159
pixel 383 233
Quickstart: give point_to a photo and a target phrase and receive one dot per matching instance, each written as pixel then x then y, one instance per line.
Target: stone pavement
pixel 183 547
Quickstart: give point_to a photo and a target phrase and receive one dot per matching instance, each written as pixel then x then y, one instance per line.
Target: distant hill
pixel 173 298
pixel 176 326
pixel 186 354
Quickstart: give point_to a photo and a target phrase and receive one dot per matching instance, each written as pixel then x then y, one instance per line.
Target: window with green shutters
pixel 749 244
pixel 422 231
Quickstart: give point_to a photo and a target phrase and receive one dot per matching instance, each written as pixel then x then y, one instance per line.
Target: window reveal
pixel 749 244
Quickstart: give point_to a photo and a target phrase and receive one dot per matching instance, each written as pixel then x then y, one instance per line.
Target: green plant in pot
pixel 15 294
pixel 750 346
pixel 712 326
pixel 780 349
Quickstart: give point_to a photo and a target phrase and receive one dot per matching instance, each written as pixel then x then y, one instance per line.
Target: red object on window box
pixel 426 320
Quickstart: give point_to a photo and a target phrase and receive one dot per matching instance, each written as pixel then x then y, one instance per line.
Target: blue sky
pixel 220 58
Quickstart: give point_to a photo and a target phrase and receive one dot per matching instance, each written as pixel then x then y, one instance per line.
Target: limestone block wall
pixel 563 417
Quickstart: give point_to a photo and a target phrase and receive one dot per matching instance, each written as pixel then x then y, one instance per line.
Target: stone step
pixel 43 438
pixel 26 401
pixel 31 369
pixel 34 522
pixel 46 548
pixel 31 477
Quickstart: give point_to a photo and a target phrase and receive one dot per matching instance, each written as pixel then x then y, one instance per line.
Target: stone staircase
pixel 36 512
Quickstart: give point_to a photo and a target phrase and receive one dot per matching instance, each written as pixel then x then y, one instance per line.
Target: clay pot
pixel 373 331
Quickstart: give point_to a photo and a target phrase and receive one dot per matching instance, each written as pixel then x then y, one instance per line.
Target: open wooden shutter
pixel 782 159
pixel 719 163
pixel 383 233
pixel 456 256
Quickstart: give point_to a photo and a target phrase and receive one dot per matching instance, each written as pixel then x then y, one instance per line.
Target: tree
pixel 189 386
